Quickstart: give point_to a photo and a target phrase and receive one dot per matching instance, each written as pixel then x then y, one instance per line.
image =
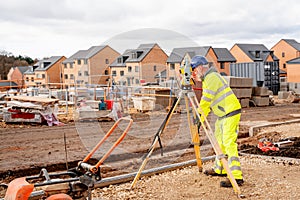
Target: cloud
pixel 166 39
pixel 52 27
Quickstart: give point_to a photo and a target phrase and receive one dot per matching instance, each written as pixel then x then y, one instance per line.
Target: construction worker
pixel 218 97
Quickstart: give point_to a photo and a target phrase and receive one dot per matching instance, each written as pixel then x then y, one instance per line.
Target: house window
pixel 79 62
pixel 71 76
pixel 106 61
pixel 79 74
pixel 137 81
pixel 257 54
pixel 136 68
pixel 106 72
pixel 119 60
pixel 65 66
pixel 284 66
pixel 222 65
pixel 71 65
pixel 139 53
pixel 86 73
pixel 85 61
pixel 43 75
pixel 114 73
pixel 283 54
pixel 66 76
pixel 134 55
pixel 154 68
pixel 27 79
pixel 121 73
pixel 129 68
pixel 32 79
pixel 172 66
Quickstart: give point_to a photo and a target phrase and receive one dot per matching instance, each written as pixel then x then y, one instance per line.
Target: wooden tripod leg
pixel 208 130
pixel 155 142
pixel 194 135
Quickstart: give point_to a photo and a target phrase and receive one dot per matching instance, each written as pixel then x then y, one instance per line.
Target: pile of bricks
pixel 242 88
pixel 260 96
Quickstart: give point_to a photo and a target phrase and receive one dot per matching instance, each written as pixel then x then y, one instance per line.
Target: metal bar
pixel 52 182
pixel 128 177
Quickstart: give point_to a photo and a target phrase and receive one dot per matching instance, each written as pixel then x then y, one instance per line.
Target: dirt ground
pixel 263 180
pixel 25 149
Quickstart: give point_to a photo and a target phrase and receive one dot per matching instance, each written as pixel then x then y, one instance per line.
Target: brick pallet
pixel 242 88
pixel 260 96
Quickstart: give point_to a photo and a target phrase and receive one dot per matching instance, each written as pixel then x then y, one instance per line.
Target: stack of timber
pixel 260 96
pixel 242 88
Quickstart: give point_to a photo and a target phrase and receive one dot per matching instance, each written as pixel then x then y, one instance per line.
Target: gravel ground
pixel 264 179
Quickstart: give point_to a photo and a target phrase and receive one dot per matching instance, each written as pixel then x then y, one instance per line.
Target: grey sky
pixel 45 28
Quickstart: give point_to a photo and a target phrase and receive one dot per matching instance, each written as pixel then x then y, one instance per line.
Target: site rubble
pixel 26 148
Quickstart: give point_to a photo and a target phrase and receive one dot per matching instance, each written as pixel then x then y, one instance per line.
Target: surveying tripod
pixel 189 96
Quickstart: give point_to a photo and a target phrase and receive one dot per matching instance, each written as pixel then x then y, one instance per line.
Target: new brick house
pixel 286 50
pixel 293 70
pixel 29 76
pixel 140 65
pixel 16 74
pixel 45 73
pixel 224 59
pixel 220 58
pixel 89 67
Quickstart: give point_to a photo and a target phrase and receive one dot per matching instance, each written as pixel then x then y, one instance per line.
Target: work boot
pixel 227 182
pixel 211 172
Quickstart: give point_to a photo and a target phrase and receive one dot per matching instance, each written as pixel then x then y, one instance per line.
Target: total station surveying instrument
pixel 189 96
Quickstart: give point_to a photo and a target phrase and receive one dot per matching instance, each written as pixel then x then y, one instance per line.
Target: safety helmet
pixel 198 60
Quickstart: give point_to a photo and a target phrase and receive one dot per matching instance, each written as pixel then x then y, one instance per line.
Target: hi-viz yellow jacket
pixel 218 96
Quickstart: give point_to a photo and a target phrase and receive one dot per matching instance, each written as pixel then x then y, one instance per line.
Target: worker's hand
pixel 197 122
pixel 199 127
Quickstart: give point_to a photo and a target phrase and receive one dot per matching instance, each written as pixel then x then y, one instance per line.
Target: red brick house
pixel 139 66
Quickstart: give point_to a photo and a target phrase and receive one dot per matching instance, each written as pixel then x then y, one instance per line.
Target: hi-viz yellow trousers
pixel 226 132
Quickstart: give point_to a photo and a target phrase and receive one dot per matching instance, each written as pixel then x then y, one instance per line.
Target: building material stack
pixel 260 96
pixel 242 88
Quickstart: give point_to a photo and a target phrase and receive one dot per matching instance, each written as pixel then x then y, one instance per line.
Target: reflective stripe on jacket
pixel 217 95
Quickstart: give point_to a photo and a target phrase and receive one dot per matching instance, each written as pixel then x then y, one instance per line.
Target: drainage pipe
pixel 149 172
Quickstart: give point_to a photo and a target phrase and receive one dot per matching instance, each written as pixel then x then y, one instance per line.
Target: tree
pixel 8 60
pixel 29 60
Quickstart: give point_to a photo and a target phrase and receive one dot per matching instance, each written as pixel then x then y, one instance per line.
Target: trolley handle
pixel 95 167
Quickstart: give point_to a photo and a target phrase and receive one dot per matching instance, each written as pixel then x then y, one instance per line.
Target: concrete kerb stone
pixel 253 130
